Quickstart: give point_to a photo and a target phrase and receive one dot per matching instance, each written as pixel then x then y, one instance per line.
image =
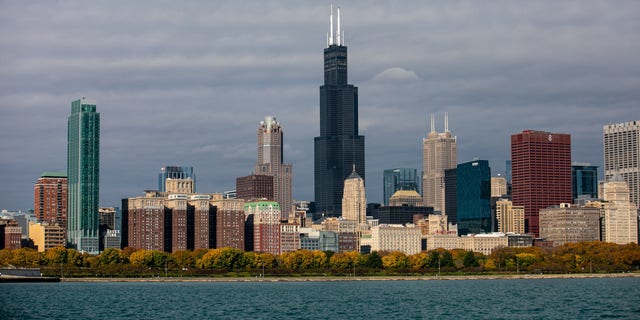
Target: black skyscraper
pixel 339 146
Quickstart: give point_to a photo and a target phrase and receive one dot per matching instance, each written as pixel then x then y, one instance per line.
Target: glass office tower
pixel 399 179
pixel 83 170
pixel 473 187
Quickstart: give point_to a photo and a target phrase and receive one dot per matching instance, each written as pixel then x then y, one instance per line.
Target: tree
pixel 470 260
pixel 345 261
pixel 112 256
pixel 395 260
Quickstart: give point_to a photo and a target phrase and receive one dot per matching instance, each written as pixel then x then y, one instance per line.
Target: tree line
pixel 582 257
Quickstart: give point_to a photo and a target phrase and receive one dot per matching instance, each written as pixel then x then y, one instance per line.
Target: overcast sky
pixel 187 82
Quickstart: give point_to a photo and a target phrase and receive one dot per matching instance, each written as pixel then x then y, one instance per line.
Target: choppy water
pixel 461 299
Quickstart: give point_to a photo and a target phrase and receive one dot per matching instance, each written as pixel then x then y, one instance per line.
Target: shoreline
pixel 360 278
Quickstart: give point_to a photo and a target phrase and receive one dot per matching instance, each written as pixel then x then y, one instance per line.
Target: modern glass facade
pixel 399 179
pixel 83 170
pixel 339 147
pixel 584 180
pixel 175 172
pixel 473 189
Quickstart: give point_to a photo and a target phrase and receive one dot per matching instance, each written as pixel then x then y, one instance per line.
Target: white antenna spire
pixel 338 33
pixel 331 26
pixel 433 123
pixel 446 122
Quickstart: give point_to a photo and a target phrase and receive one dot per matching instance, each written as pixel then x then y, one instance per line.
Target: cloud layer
pixel 188 83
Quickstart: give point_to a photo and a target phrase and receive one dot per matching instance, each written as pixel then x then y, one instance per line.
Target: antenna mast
pixel 338 34
pixel 433 123
pixel 446 122
pixel 331 26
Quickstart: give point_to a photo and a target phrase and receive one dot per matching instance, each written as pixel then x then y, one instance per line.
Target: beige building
pixel 566 224
pixel 498 186
pixel 442 241
pixel 484 243
pixel 179 185
pixel 270 162
pixel 620 214
pixel 438 224
pixel 354 201
pixel 46 236
pixel 622 155
pixel 289 237
pixel 510 218
pixel 395 237
pixel 439 152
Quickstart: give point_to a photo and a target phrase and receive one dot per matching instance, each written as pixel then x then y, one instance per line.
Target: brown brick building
pixel 50 198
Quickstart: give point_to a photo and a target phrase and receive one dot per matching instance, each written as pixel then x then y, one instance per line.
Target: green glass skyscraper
pixel 83 170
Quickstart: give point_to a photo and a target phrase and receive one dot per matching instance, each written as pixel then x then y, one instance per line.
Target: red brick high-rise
pixel 50 198
pixel 541 173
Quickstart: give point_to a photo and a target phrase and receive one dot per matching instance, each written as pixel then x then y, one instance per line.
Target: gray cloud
pixel 188 83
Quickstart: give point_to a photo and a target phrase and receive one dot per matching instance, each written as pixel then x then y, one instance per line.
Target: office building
pixel 620 214
pixel 46 236
pixel 50 198
pixel 498 186
pixel 399 179
pixel 439 153
pixel 584 180
pixel 451 194
pixel 10 234
pixel 255 187
pixel 622 155
pixel 409 198
pixel 396 237
pixel 474 197
pixel 175 172
pixel 566 224
pixel 354 200
pixel 339 146
pixel 483 243
pixel 541 173
pixel 270 162
pixel 83 174
pixel 510 218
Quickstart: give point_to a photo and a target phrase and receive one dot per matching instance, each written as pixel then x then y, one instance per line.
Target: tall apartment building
pixel 510 218
pixel 50 198
pixel 473 197
pixel 229 223
pixel 541 173
pixel 83 171
pixel 622 155
pixel 264 221
pixel 399 179
pixel 584 180
pixel 339 146
pixel 620 214
pixel 175 172
pixel 270 162
pixel 566 223
pixel 354 200
pixel 439 153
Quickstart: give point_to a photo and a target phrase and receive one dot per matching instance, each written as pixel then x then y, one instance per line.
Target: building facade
pixel 399 179
pixel 622 155
pixel 396 237
pixel 541 173
pixel 620 214
pixel 175 172
pixel 339 146
pixel 50 198
pixel 265 224
pixel 498 186
pixel 47 236
pixel 474 197
pixel 567 224
pixel 439 152
pixel 584 180
pixel 255 187
pixel 270 162
pixel 354 200
pixel 83 174
pixel 510 218
pixel 229 223
pixel 10 234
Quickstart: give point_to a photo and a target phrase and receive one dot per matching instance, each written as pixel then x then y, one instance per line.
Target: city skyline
pixel 189 95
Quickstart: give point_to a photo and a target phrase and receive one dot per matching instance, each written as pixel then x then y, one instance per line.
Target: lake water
pixel 617 298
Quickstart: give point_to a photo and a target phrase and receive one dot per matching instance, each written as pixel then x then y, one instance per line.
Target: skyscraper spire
pixel 336 37
pixel 331 26
pixel 338 33
pixel 433 123
pixel 446 122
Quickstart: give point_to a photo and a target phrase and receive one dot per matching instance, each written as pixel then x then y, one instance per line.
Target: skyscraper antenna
pixel 446 122
pixel 338 33
pixel 433 123
pixel 331 26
